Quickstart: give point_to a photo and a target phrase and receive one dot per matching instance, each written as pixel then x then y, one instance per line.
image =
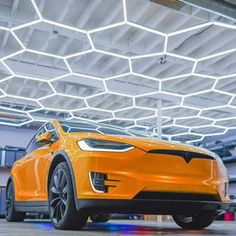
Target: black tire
pixel 100 218
pixel 62 209
pixel 197 221
pixel 11 214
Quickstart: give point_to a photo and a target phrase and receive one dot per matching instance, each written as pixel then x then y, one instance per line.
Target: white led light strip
pixel 129 61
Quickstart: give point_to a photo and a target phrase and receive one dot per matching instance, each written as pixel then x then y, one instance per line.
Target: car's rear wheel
pixel 100 218
pixel 11 214
pixel 62 207
pixel 197 221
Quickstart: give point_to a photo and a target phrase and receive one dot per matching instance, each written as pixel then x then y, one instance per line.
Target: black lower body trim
pixel 176 196
pixel 32 206
pixel 136 206
pixel 186 155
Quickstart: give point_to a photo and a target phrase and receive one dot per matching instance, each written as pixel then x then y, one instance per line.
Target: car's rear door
pixel 23 173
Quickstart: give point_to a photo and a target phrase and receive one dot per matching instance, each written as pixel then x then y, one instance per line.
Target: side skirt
pixel 32 206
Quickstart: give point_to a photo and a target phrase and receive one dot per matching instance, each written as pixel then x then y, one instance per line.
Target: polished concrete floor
pixel 113 227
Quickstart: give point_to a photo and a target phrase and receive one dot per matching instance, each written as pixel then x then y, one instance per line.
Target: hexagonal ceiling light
pixel 111 61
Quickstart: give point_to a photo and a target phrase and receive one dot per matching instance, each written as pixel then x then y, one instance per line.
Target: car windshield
pixel 70 127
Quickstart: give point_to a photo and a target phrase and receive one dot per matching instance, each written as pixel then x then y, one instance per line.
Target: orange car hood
pixel 143 143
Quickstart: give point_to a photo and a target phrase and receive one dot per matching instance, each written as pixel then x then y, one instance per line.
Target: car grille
pixel 186 155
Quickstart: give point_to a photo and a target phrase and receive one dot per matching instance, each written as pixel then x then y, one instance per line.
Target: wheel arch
pixel 61 156
pixel 10 179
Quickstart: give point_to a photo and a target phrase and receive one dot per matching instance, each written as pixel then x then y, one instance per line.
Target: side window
pixel 52 130
pixel 31 145
pixel 46 128
pixel 41 131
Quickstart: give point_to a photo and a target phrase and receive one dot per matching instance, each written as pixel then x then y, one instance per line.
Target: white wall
pixel 13 136
pixel 4 174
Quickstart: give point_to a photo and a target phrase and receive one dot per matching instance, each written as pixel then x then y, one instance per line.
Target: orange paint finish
pixel 128 173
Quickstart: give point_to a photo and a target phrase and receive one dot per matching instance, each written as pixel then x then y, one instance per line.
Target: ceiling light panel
pixel 19 103
pixel 134 113
pixel 193 122
pixel 110 102
pixel 209 129
pixel 219 113
pixel 151 122
pixel 217 66
pixel 112 60
pixel 4 73
pixel 214 39
pixel 25 87
pixel 82 14
pixel 98 64
pixel 48 114
pixel 227 85
pixel 132 85
pixel 119 122
pixel 180 112
pixel 78 86
pixel 174 130
pixel 49 38
pixel 188 84
pixel 207 99
pixel 37 65
pixel 151 101
pixel 62 102
pixel 231 123
pixel 187 137
pixel 8 43
pixel 92 114
pixel 162 66
pixel 128 40
pixel 15 13
pixel 164 19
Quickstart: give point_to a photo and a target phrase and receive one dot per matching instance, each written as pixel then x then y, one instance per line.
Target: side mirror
pixel 44 138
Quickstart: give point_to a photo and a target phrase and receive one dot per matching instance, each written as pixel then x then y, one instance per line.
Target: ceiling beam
pixel 221 7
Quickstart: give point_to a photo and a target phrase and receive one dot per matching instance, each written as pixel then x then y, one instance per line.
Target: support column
pixel 159 119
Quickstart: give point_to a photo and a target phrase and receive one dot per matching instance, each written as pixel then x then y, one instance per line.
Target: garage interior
pixel 162 68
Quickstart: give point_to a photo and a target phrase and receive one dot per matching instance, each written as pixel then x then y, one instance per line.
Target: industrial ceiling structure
pixel 111 61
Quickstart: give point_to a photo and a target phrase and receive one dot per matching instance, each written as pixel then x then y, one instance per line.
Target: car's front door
pixel 42 158
pixel 32 170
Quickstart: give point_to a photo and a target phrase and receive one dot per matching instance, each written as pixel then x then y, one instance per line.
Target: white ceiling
pixel 110 61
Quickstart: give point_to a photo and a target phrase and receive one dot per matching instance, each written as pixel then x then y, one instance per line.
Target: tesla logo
pixel 187 157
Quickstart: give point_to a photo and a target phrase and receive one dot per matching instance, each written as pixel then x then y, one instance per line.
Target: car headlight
pixel 96 145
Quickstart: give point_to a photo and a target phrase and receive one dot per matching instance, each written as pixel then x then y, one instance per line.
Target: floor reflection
pixel 114 227
pixel 136 228
pixel 133 229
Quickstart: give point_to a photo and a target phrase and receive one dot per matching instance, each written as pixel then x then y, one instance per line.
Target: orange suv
pixel 76 170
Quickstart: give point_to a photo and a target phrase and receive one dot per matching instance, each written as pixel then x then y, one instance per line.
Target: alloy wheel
pixel 9 199
pixel 58 195
pixel 186 219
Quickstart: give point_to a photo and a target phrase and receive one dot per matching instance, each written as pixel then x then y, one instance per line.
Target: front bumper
pixel 129 173
pixel 147 206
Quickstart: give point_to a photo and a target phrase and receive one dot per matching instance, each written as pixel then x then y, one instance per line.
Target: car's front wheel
pixel 100 218
pixel 62 207
pixel 11 214
pixel 197 221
